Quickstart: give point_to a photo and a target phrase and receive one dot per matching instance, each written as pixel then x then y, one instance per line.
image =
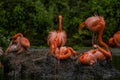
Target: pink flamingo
pixel 91 56
pixel 95 24
pixel 56 38
pixel 65 52
pixel 115 40
pixel 18 44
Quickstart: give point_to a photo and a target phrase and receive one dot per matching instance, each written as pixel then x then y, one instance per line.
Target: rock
pixel 38 64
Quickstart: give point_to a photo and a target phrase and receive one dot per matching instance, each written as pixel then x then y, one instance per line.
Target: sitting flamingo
pixel 56 38
pixel 115 40
pixel 18 44
pixel 91 56
pixel 65 52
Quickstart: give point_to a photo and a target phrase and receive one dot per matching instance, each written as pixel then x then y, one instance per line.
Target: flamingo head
pixel 17 35
pixel 82 25
pixel 111 42
pixel 60 17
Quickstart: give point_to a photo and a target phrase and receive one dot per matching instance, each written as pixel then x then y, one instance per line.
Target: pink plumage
pixel 94 23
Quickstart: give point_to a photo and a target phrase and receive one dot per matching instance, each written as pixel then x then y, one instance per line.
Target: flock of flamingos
pixel 57 39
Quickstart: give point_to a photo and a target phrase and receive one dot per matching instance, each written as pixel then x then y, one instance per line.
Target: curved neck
pixel 101 41
pixel 60 23
pixel 17 35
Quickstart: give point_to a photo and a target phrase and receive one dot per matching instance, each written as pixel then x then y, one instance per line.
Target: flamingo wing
pixel 25 42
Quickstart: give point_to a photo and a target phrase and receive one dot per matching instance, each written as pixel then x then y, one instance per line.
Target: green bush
pixel 35 18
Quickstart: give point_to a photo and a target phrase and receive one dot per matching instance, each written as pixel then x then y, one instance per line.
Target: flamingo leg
pixel 94 38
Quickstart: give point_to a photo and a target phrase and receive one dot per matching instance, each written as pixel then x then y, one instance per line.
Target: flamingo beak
pixel 79 27
pixel 82 25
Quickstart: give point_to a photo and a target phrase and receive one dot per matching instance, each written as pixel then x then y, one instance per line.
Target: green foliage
pixel 35 18
pixel 115 62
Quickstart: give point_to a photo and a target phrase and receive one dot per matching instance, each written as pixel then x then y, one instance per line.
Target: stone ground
pixel 36 64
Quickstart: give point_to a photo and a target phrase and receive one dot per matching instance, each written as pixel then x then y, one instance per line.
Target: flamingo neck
pixel 101 41
pixel 60 23
pixel 17 35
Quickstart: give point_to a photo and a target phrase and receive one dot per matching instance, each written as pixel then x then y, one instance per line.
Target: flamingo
pixel 115 40
pixel 91 56
pixel 56 38
pixel 96 24
pixel 65 52
pixel 18 44
pixel 23 40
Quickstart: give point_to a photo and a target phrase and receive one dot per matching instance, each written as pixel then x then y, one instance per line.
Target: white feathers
pixel 13 48
pixel 51 37
pixel 61 38
pixel 57 37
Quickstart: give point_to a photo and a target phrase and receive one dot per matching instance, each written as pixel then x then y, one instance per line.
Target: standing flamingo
pixel 56 38
pixel 115 40
pixel 96 24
